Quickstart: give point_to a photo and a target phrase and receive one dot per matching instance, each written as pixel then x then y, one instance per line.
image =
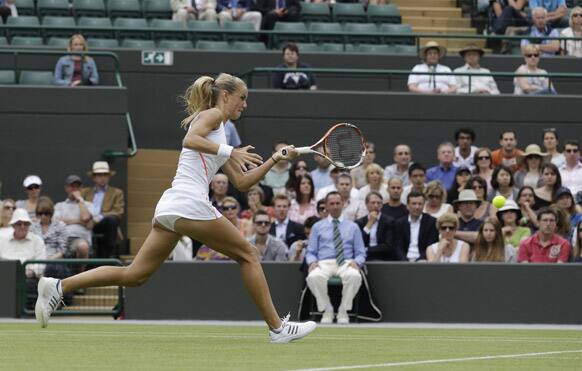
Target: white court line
pixel 434 361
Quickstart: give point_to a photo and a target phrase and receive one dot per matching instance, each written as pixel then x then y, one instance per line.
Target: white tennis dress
pixel 188 197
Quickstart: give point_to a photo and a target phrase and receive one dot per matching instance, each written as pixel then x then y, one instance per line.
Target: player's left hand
pixel 291 154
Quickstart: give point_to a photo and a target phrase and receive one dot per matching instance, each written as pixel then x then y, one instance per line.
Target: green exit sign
pixel 157 58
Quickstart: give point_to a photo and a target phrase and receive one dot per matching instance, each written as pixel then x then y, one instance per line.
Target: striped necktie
pixel 338 243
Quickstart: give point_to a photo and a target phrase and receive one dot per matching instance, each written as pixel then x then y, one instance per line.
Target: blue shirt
pixel 445 176
pixel 321 178
pixel 549 5
pixel 545 33
pixel 232 138
pixel 322 247
pixel 98 200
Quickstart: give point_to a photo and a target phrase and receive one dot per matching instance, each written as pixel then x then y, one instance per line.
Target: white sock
pixel 277 330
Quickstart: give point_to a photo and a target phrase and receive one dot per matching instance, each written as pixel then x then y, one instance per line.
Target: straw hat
pixel 471 48
pixel 100 167
pixel 467 195
pixel 432 45
pixel 532 150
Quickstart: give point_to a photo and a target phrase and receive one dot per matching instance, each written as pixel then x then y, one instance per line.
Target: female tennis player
pixel 185 209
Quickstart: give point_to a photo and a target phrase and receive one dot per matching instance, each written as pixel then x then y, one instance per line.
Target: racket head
pixel 344 146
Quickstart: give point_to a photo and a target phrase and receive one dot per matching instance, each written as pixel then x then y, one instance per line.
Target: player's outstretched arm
pixel 243 180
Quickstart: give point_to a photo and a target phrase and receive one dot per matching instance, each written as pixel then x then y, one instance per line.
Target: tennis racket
pixel 343 145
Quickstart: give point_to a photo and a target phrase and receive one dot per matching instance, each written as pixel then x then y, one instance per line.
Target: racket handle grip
pixel 300 150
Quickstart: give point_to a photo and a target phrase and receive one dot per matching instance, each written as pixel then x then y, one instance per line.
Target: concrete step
pixel 140 214
pixel 445 30
pixel 138 199
pixel 155 156
pixel 135 184
pixel 95 300
pixel 436 22
pixel 81 308
pixel 143 170
pixel 407 11
pixel 424 3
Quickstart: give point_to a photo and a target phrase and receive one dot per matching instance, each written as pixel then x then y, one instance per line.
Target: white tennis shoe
pixel 48 299
pixel 292 331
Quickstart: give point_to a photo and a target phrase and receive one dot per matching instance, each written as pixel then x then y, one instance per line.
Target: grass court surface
pixel 116 346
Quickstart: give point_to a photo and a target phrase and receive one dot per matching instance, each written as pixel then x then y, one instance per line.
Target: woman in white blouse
pixel 375 182
pixel 448 249
pixel 573 48
pixel 436 197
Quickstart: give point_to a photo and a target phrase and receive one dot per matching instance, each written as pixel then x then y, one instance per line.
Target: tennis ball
pixel 498 201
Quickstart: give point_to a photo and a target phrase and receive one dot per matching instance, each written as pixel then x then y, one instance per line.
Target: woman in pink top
pixel 304 205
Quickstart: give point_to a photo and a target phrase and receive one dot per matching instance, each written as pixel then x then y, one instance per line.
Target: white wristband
pixel 224 150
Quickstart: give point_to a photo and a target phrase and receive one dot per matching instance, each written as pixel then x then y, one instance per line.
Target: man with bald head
pixel 402 161
pixel 218 187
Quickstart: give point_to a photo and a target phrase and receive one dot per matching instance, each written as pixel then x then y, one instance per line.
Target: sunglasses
pixel 44 213
pixel 9 207
pixel 483 158
pixel 402 153
pixel 447 228
pixel 321 209
pixel 476 187
pixel 435 196
pixel 550 130
pixel 21 224
pixel 34 186
pixel 577 15
pixel 532 55
pixel 571 150
pixel 262 222
pixel 231 207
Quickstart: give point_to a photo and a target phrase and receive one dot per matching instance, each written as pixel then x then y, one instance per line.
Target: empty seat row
pixel 349 12
pixel 9 77
pixel 97 8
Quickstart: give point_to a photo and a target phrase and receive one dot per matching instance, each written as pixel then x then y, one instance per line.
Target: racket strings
pixel 345 145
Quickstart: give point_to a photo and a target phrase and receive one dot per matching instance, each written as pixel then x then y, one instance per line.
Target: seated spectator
pixel 278 10
pixel 431 54
pixel 448 249
pixel 304 205
pixel 185 10
pixel 298 248
pixel 508 152
pixel 183 251
pixel 502 184
pixel 76 69
pixel 284 229
pixel 485 208
pixel 508 13
pixel 32 184
pixel 544 196
pixel 359 173
pixel 377 230
pixel 334 174
pixel 556 11
pixel 321 210
pixel 255 199
pixel 509 216
pixel 108 208
pixel 468 225
pixel 321 175
pixel 335 248
pixel 472 55
pixel 75 212
pixel 531 167
pixel 540 28
pixel 484 164
pixel 551 143
pixel 298 169
pixel 564 201
pixel 8 207
pixel 8 9
pixel 270 247
pixel 401 165
pixel 415 232
pixel 293 79
pixel 573 48
pixel 417 176
pixel 393 207
pixel 278 175
pixel 238 10
pixel 374 182
pixel 232 137
pixel 218 189
pixel 353 207
pixel 465 150
pixel 490 246
pixel 461 178
pixel 445 171
pixel 571 170
pixel 525 201
pixel 545 246
pixel 532 85
pixel 436 200
pixel 577 243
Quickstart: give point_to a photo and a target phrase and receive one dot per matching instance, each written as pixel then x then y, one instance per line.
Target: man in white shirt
pixel 417 176
pixel 353 207
pixel 430 83
pixel 278 175
pixel 571 170
pixel 321 175
pixel 474 84
pixel 334 174
pixel 402 160
pixel 465 150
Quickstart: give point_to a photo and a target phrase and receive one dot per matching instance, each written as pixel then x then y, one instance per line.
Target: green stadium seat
pixel 99 43
pixel 357 32
pixel 405 49
pixel 298 29
pixel 205 30
pixel 124 8
pixel 391 29
pixel 307 47
pixel 132 28
pixel 249 46
pixel 25 7
pixel 332 47
pixel 157 9
pixel 36 78
pixel 89 8
pixel 247 29
pixel 374 48
pixel 58 26
pixel 3 40
pixel 58 42
pixel 26 41
pixel 7 77
pixel 53 7
pixel 315 12
pixel 332 32
pixel 30 24
pixel 99 27
pixel 168 29
pixel 138 44
pixel 212 45
pixel 349 12
pixel 384 14
pixel 175 44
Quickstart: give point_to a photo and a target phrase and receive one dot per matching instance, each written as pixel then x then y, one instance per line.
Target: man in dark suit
pixel 377 230
pixel 415 232
pixel 283 228
pixel 278 10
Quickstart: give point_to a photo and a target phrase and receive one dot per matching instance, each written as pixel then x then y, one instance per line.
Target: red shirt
pixel 498 158
pixel 531 250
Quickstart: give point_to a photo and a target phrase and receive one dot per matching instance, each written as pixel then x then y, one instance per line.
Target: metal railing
pixel 107 154
pixel 94 301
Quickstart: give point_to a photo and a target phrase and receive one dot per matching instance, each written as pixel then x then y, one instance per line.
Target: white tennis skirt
pixel 179 204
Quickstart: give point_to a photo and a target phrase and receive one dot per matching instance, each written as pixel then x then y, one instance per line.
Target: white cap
pixel 30 180
pixel 20 215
